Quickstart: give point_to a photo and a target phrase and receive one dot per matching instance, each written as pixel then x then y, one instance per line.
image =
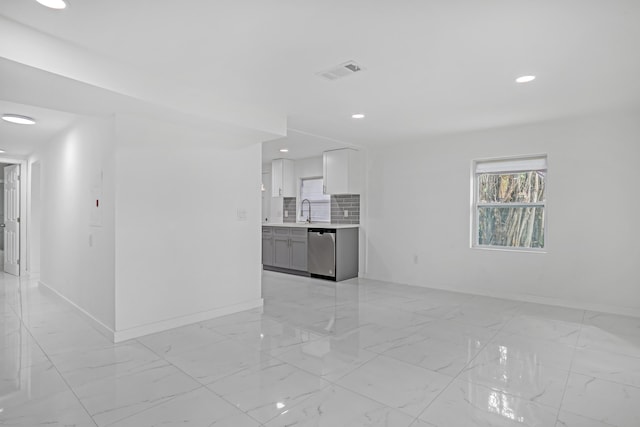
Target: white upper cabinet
pixel 342 170
pixel 282 179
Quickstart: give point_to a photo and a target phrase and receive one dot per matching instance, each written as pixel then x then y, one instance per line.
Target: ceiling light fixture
pixel 284 150
pixel 2 151
pixel 54 4
pixel 525 79
pixel 18 119
pixel 358 116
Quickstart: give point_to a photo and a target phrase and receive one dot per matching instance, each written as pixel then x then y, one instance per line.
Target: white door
pixel 12 220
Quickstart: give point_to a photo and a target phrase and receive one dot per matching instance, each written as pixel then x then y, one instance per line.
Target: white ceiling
pixel 20 140
pixel 432 66
pixel 300 145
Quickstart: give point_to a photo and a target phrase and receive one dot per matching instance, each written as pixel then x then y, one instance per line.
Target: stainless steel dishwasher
pixel 321 252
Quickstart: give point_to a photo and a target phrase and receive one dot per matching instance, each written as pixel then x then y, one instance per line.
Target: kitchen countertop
pixel 312 225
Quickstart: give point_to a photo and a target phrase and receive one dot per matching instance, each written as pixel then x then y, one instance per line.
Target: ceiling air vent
pixel 339 71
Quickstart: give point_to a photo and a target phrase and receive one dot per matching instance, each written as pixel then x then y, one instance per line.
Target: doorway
pixel 11 216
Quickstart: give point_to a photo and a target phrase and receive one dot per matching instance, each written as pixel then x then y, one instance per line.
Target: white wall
pixel 35 218
pixel 419 204
pixel 2 212
pixel 276 209
pixel 182 254
pixel 81 272
pixel 266 196
pixel 307 168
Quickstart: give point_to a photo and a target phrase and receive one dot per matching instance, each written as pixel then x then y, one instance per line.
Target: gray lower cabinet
pixel 298 249
pixel 281 248
pixel 285 247
pixel 267 245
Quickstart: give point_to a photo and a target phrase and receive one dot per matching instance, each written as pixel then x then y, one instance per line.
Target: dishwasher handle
pixel 322 230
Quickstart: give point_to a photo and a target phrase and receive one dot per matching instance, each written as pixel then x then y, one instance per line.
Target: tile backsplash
pixel 348 202
pixel 289 206
pixel 339 204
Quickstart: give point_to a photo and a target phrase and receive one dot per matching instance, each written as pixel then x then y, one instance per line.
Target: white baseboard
pixel 151 328
pixel 176 322
pixel 559 302
pixel 97 324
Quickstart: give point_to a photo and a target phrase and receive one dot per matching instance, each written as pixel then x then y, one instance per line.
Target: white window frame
pixel 507 165
pixel 302 218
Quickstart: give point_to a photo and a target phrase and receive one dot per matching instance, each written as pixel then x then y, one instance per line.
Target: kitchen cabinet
pixel 282 178
pixel 281 248
pixel 342 171
pixel 289 249
pixel 299 249
pixel 267 246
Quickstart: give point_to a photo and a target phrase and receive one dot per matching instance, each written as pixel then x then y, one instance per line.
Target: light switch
pixel 242 214
pixel 346 213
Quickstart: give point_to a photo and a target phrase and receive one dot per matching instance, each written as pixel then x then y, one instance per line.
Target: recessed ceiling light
pixel 18 119
pixel 525 79
pixel 2 151
pixel 358 116
pixel 284 150
pixel 54 4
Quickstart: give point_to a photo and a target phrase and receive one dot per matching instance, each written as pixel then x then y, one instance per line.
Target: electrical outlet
pixel 346 213
pixel 286 214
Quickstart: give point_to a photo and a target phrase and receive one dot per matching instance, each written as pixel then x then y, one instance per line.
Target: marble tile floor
pixel 357 353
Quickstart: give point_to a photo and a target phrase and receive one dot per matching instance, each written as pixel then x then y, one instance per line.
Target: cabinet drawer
pixel 267 231
pixel 299 232
pixel 280 231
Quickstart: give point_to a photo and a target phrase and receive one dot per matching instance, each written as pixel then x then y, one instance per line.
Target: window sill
pixel 507 249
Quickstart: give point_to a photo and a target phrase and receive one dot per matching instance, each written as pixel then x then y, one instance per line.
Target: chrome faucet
pixel 302 210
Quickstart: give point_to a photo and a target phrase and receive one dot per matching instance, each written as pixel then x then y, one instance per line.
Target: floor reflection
pixel 364 352
pixel 11 361
pixel 328 309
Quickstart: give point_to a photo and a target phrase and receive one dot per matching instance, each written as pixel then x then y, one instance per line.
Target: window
pixel 509 203
pixel 311 189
